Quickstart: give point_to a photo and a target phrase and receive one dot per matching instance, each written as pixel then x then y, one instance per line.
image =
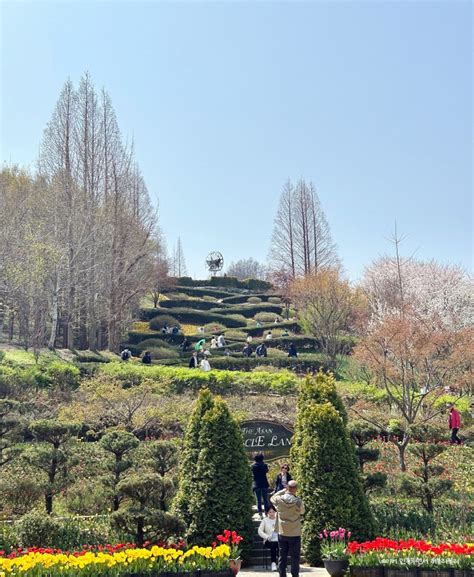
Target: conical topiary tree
pixel 189 456
pixel 325 467
pixel 218 484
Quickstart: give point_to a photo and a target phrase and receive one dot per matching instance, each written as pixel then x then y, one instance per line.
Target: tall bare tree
pixel 301 240
pixel 178 263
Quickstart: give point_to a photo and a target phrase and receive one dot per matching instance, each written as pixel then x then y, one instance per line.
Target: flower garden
pixel 123 559
pixel 410 558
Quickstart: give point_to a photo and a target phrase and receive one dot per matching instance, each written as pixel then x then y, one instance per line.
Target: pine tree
pixel 325 467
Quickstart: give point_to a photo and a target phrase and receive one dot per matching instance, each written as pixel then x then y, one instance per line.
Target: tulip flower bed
pixel 386 558
pixel 117 561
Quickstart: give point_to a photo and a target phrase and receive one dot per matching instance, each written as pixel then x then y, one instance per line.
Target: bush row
pixel 310 344
pixel 199 291
pixel 185 315
pixel 298 365
pixel 292 326
pixel 240 299
pixel 201 305
pixel 250 310
pixel 177 380
pixel 226 281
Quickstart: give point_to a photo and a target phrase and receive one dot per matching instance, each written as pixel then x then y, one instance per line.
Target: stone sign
pixel 271 439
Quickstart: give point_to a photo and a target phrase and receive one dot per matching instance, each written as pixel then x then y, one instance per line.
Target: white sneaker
pixel 274 566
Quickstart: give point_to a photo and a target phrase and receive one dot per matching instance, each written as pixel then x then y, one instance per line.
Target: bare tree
pixel 79 239
pixel 247 268
pixel 178 263
pixel 301 240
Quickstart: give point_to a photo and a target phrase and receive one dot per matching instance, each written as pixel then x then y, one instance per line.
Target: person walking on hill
pixel 266 531
pixel 221 341
pixel 290 509
pixel 260 483
pixel 292 352
pixel 194 361
pixel 454 424
pixel 205 365
pixel 247 351
pixel 261 351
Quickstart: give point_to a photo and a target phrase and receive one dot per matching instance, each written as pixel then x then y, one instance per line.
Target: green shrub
pixel 156 342
pixel 203 291
pixel 254 300
pixel 38 530
pixel 199 317
pixel 202 305
pixel 265 317
pixel 88 497
pixel 163 320
pixel 249 310
pixel 291 326
pixel 2 356
pixel 210 328
pixel 235 335
pixel 63 376
pixel 90 357
pixel 138 336
pixel 158 353
pixel 176 380
pixel 274 300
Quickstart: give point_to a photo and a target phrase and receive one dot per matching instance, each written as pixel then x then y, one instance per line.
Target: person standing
pixel 247 351
pixel 292 352
pixel 454 424
pixel 267 532
pixel 260 483
pixel 290 509
pixel 205 365
pixel 194 361
pixel 283 478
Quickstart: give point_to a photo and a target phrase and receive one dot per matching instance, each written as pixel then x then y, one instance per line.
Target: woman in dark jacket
pixel 260 483
pixel 282 478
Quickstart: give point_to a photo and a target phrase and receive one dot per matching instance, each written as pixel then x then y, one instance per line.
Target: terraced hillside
pixel 186 316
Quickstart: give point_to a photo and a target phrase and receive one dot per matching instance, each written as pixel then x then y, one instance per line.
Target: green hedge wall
pixel 200 291
pixel 177 380
pixel 298 365
pixel 250 310
pixel 293 326
pixel 307 344
pixel 192 304
pixel 226 281
pixel 240 299
pixel 135 337
pixel 185 315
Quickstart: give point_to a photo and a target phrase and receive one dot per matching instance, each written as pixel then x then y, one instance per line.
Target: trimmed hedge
pixel 201 305
pixel 249 311
pixel 240 299
pixel 226 281
pixel 200 291
pixel 176 380
pixel 304 343
pixel 255 331
pixel 298 365
pixel 190 316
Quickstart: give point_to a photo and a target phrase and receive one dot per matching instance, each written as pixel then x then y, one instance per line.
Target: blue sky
pixel 372 101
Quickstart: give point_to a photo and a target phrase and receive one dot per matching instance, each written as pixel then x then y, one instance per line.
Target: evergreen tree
pixel 189 455
pixel 325 467
pixel 119 443
pixel 217 485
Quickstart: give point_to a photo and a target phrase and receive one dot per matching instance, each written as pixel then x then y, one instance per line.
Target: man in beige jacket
pixel 289 508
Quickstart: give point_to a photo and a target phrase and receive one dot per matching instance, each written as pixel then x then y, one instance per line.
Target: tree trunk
pixel 54 317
